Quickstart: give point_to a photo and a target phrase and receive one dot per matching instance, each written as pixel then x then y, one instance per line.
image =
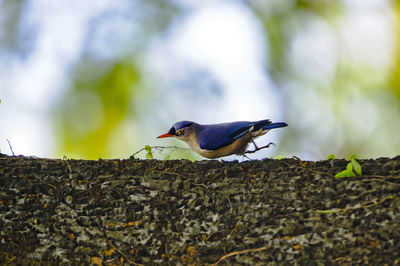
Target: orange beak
pixel 166 135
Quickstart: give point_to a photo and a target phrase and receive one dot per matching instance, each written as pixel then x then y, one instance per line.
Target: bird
pixel 219 140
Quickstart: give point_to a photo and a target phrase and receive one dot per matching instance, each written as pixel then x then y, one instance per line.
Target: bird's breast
pixel 239 146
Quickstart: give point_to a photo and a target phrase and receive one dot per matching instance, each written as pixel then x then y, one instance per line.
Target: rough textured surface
pixel 178 212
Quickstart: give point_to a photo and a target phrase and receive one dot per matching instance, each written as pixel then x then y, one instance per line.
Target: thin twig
pixel 382 176
pixel 9 144
pixel 379 180
pixel 229 201
pixel 50 185
pixel 358 207
pixel 69 167
pixel 161 148
pixel 200 185
pixel 238 223
pixel 240 252
pixel 308 169
pixel 123 254
pixel 168 172
pixel 342 259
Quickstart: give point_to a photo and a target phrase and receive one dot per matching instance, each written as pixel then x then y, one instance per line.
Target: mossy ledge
pixel 117 212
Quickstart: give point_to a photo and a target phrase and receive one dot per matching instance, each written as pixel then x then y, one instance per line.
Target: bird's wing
pixel 252 126
pixel 213 137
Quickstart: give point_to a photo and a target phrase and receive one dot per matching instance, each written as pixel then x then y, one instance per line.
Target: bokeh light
pixel 103 78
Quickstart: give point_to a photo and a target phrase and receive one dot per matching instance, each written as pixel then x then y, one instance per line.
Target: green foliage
pixel 0 103
pixel 353 168
pixel 96 109
pixel 346 173
pixel 355 164
pixel 394 82
pixel 149 154
pixel 330 157
pixel 290 23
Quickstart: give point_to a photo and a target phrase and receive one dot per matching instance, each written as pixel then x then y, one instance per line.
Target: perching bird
pixel 218 140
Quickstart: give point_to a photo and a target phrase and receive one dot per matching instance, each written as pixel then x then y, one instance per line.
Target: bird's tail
pixel 267 125
pixel 274 125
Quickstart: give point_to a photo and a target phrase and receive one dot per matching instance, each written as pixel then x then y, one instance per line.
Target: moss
pixel 171 212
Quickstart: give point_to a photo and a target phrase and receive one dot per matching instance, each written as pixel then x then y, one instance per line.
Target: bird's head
pixel 180 130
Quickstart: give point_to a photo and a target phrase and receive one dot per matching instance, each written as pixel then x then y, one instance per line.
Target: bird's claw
pixel 257 148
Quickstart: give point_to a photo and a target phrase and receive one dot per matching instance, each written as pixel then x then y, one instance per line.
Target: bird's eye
pixel 178 132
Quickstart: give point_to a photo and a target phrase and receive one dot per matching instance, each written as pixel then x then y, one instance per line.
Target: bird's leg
pixel 255 145
pixel 257 148
pixel 245 156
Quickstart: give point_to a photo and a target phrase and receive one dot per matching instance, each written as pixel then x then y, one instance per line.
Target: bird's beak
pixel 166 135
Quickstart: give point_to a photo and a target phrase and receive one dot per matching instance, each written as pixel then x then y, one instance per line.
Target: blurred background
pixel 103 78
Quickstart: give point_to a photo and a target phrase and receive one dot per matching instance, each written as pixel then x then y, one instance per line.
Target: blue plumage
pixel 179 125
pixel 217 140
pixel 213 137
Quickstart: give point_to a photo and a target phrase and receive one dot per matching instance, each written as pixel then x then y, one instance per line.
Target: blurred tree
pixel 337 113
pixel 10 19
pixel 395 77
pixel 108 80
pixel 334 101
pixel 94 107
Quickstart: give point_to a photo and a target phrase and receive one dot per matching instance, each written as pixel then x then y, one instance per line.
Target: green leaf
pixel 279 157
pixel 330 157
pixel 149 154
pixel 346 173
pixel 352 157
pixel 356 166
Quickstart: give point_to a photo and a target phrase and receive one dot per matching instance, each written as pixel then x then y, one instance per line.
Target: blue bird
pixel 218 140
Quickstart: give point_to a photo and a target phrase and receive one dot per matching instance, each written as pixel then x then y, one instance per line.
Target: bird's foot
pixel 260 148
pixel 245 156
